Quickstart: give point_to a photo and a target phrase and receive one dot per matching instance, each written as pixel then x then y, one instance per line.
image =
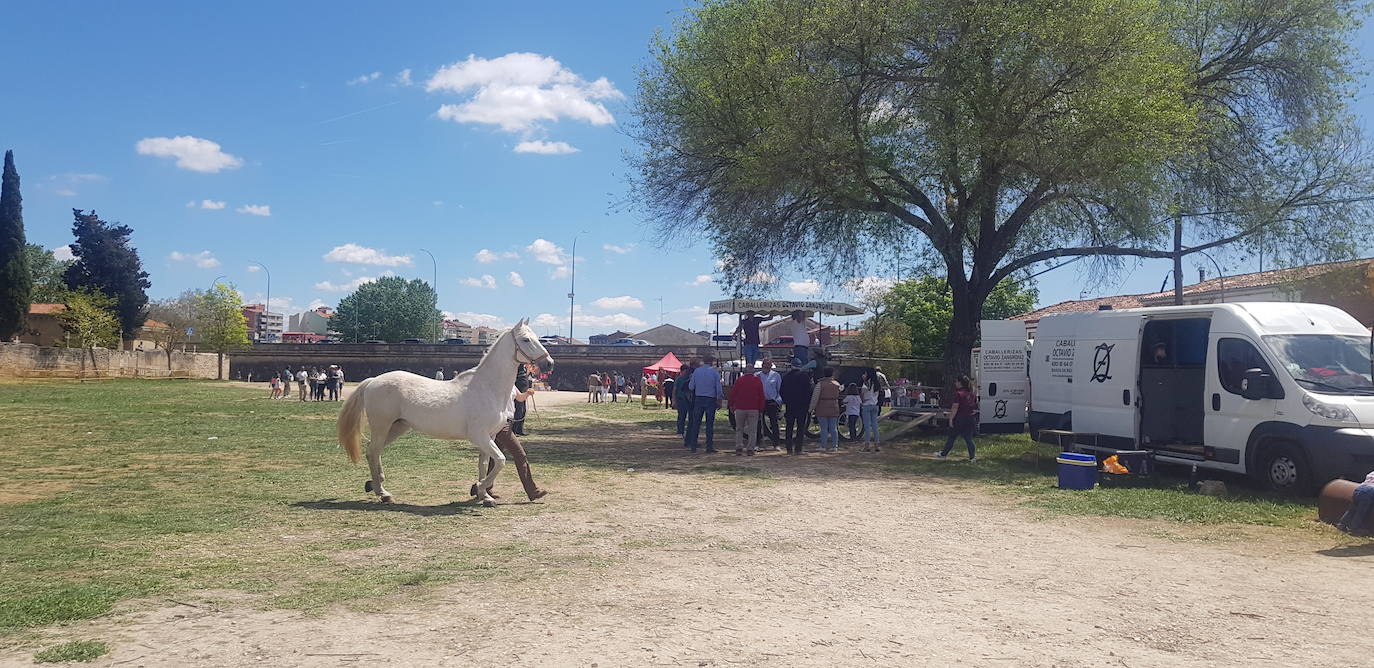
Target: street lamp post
pixel 268 307
pixel 572 286
pixel 1220 274
pixel 435 264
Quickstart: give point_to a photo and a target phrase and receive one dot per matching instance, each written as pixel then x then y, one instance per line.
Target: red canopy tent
pixel 669 363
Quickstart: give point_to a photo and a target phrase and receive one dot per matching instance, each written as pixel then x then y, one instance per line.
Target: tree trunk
pixel 1178 260
pixel 220 363
pixel 963 333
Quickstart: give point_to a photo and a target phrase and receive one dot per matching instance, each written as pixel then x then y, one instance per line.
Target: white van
pixel 1277 390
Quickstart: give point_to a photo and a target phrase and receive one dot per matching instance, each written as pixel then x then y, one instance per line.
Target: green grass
pixel 76 651
pixel 1014 465
pixel 147 504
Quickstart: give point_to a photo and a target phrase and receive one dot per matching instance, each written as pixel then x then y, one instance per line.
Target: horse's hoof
pixel 490 503
pixel 473 491
pixel 367 486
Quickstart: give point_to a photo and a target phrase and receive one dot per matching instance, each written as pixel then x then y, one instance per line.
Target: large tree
pixel 106 262
pixel 48 274
pixel 16 284
pixel 223 327
pixel 179 315
pixel 979 140
pixel 925 307
pixel 390 308
pixel 90 321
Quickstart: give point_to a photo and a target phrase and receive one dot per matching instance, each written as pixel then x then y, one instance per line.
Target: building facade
pixel 263 326
pixel 457 329
pixel 316 321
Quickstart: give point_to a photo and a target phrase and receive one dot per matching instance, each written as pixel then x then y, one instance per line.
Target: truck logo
pixel 999 409
pixel 1102 363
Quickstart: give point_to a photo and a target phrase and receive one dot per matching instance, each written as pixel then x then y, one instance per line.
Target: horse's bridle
pixel 515 356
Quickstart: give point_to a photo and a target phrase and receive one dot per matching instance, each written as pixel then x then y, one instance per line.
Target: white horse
pixel 471 406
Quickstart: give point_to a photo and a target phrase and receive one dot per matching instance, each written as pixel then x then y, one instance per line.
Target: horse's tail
pixel 351 423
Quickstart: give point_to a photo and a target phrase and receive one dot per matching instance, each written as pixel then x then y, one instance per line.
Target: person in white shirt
pixel 302 380
pixel 869 403
pixel 439 375
pixel 801 337
pixel 772 398
pixel 851 402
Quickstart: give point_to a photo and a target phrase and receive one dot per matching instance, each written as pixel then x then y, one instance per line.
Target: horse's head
pixel 528 348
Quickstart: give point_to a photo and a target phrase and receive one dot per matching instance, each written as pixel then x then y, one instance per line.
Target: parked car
pixel 457 342
pixel 629 342
pixel 779 342
pixel 549 340
pixel 413 341
pixel 374 341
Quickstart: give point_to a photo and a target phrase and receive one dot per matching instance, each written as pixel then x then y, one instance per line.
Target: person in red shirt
pixel 963 411
pixel 746 401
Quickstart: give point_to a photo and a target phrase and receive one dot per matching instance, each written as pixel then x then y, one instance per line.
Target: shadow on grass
pixel 455 508
pixel 1365 550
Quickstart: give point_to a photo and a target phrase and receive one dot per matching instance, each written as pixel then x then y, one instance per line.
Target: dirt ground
pixel 815 564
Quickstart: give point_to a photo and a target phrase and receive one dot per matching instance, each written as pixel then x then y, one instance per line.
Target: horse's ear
pixel 523 321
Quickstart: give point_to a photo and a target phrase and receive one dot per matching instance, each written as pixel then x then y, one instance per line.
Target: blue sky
pixel 331 142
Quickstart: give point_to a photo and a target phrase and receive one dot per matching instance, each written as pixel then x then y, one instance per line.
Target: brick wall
pixel 23 360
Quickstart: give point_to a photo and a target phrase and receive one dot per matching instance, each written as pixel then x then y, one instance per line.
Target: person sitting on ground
pixel 746 403
pixel 1356 519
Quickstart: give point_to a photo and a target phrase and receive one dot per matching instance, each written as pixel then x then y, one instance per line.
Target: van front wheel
pixel 1283 468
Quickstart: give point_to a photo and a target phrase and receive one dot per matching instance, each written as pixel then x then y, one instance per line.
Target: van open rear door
pixel 1106 364
pixel 1003 385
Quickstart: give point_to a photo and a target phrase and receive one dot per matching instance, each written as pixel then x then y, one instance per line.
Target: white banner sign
pixel 1004 388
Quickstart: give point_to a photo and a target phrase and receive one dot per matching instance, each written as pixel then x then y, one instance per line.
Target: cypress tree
pixel 106 262
pixel 16 284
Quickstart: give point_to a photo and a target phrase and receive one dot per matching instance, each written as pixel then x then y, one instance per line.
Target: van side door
pixel 1106 369
pixel 1231 417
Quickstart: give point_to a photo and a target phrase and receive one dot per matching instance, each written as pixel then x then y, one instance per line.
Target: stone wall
pixel 23 360
pixel 572 364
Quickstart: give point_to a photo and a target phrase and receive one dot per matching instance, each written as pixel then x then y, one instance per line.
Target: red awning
pixel 669 363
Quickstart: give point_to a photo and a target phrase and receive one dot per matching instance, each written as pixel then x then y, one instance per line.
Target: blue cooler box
pixel 1077 470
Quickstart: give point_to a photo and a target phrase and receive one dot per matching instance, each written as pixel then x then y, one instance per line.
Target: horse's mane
pixel 465 376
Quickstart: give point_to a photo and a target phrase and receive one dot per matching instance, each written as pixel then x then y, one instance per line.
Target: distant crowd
pixel 608 386
pixel 312 384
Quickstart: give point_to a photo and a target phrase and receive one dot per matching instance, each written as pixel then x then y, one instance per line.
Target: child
pixel 852 401
pixel 1354 520
pixel 276 387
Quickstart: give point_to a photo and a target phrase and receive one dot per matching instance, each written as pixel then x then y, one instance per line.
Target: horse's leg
pixel 375 446
pixel 487 447
pixel 483 464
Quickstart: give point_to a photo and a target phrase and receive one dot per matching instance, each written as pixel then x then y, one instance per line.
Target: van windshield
pixel 1325 362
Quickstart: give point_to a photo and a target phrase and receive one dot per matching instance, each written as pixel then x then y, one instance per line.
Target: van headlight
pixel 1328 411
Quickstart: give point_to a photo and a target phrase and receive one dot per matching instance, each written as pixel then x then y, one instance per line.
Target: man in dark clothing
pixel 749 328
pixel 522 385
pixel 796 397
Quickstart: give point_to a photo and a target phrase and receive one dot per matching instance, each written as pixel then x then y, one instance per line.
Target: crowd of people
pixel 608 386
pixel 312 384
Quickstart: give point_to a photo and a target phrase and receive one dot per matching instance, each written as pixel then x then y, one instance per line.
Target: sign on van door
pixel 1004 387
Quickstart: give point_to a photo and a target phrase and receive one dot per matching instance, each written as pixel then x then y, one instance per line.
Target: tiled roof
pixel 1257 279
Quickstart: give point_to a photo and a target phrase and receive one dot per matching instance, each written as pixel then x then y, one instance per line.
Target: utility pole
pixel 435 284
pixel 1178 259
pixel 572 286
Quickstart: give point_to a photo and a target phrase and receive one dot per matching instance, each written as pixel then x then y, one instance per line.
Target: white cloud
pixel 546 147
pixel 203 260
pixel 619 250
pixel 486 281
pixel 65 185
pixel 808 287
pixel 191 204
pixel 760 277
pixel 64 192
pixel 516 279
pixel 487 257
pixel 255 209
pixel 193 153
pixel 212 205
pixel 366 78
pixel 315 303
pixel 480 319
pixel 350 286
pixel 614 303
pixel 701 279
pixel 438 202
pixel 355 254
pixel 519 91
pixel 63 253
pixel 623 321
pixel 561 272
pixel 547 252
pixel 403 79
pixel 253 268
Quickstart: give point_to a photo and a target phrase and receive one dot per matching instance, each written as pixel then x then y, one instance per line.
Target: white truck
pixel 1277 390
